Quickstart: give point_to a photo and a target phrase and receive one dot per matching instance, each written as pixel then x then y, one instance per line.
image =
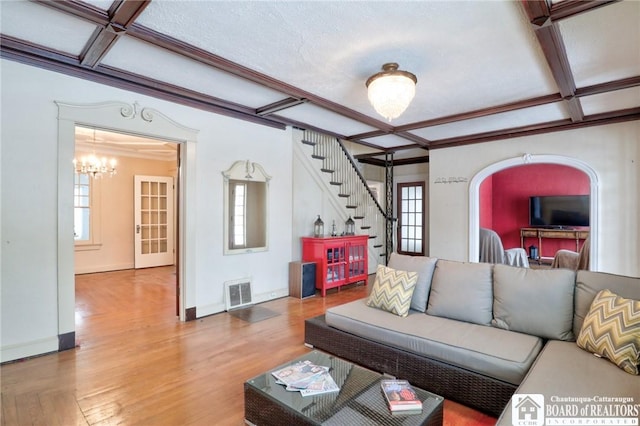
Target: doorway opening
pixel 125 220
pixel 474 197
pixel 133 120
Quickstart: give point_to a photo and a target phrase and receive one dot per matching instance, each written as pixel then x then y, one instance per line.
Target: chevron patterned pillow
pixel 392 290
pixel 611 329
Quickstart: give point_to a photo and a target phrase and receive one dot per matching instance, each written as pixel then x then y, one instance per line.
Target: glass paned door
pixel 411 218
pixel 356 260
pixel 335 264
pixel 153 221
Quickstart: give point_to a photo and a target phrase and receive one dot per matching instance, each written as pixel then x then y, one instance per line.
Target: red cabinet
pixel 340 260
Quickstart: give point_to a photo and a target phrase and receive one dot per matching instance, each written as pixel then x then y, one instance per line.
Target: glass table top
pixel 359 400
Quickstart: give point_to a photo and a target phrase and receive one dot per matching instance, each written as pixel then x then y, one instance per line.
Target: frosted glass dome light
pixel 391 90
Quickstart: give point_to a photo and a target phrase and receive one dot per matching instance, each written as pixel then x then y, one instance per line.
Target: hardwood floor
pixel 136 363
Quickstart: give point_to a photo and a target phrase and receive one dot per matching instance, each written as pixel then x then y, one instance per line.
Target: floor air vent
pixel 238 293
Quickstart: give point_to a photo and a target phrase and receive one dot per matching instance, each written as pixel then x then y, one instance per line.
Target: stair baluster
pixel 343 174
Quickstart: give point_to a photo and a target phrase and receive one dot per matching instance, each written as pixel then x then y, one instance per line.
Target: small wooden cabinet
pixel 302 279
pixel 339 260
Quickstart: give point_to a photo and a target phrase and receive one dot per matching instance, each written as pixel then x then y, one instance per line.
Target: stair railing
pixel 361 203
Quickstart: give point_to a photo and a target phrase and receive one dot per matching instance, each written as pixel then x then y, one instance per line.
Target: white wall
pixel 29 131
pixel 313 195
pixel 310 197
pixel 613 151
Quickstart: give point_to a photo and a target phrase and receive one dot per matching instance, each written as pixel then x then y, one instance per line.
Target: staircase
pixel 341 170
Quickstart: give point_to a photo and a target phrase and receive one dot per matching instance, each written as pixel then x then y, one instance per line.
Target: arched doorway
pixel 474 197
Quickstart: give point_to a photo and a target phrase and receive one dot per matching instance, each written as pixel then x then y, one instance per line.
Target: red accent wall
pixel 509 194
pixel 486 203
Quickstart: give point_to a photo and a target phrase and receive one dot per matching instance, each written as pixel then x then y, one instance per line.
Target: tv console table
pixel 541 233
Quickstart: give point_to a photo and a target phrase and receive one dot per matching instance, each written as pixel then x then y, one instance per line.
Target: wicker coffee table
pixel 359 401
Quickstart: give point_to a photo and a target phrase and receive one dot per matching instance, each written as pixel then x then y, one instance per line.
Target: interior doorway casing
pixel 474 198
pixel 132 119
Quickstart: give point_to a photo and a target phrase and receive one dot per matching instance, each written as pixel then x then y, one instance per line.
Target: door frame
pixel 474 198
pixel 399 186
pixel 125 118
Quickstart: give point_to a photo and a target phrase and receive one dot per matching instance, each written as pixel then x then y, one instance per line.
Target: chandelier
pixel 391 90
pixel 93 166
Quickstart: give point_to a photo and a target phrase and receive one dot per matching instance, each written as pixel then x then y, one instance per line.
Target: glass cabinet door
pixel 335 264
pixel 356 259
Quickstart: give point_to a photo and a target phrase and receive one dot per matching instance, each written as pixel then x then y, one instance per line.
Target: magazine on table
pixel 400 395
pixel 306 377
pixel 322 384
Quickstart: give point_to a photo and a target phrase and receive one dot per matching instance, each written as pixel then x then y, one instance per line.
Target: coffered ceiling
pixel 486 70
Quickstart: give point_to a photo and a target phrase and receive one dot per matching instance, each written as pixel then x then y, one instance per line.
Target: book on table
pixel 400 396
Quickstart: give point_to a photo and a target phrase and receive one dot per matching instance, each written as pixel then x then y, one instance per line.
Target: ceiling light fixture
pixel 93 166
pixel 391 90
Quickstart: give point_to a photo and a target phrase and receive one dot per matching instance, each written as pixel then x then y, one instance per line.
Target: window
pixel 81 207
pixel 86 212
pixel 239 214
pixel 411 218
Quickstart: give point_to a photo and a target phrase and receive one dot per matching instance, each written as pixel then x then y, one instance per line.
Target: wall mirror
pixel 246 194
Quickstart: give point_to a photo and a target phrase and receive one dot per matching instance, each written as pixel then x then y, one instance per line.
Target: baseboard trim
pixel 206 310
pixel 103 268
pixel 271 295
pixel 190 314
pixel 29 349
pixel 66 341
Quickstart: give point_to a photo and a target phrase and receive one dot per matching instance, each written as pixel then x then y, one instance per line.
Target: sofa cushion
pixel 563 370
pixel 612 329
pixel 462 291
pixel 534 301
pixel 392 290
pixel 424 266
pixel 463 344
pixel 588 284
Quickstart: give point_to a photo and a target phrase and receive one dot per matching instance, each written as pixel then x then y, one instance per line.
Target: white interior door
pixel 153 210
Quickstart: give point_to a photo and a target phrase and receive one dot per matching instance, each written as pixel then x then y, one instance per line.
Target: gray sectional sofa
pixel 477 333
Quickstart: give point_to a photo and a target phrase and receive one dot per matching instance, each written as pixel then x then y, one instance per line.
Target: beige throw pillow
pixel 462 291
pixel 611 329
pixel 534 301
pixel 392 290
pixel 424 266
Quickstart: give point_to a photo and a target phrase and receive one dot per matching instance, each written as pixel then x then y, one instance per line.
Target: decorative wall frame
pixel 245 227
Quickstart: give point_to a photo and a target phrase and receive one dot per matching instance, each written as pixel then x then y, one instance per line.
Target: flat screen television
pixel 559 211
